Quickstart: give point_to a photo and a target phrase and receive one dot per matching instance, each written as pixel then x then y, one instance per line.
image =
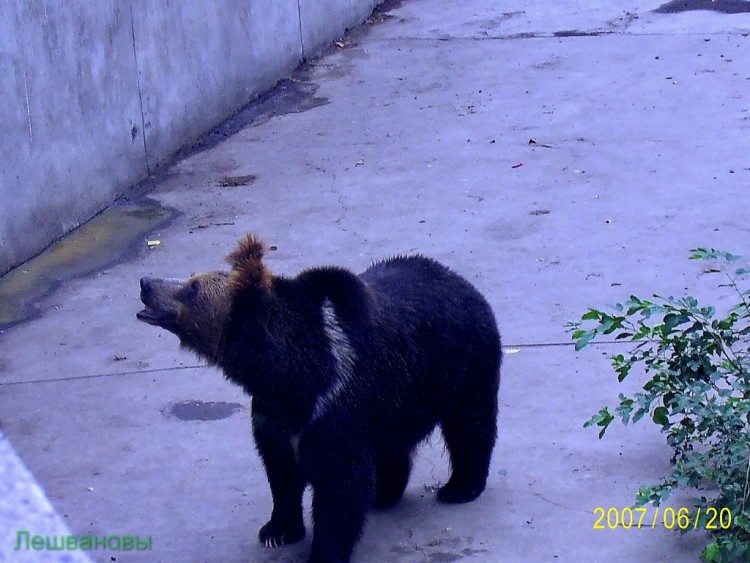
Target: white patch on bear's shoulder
pixel 343 355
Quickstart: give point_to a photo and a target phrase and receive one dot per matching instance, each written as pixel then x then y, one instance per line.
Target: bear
pixel 347 374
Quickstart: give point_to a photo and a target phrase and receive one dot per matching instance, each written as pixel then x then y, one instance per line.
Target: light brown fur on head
pixel 197 310
pixel 248 270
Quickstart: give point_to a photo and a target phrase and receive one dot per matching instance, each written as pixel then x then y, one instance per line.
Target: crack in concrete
pixel 301 38
pixel 100 375
pixel 551 344
pixel 624 22
pixel 540 496
pixel 28 107
pixel 410 541
pixel 560 34
pixel 340 198
pixel 198 366
pixel 140 91
pixel 344 211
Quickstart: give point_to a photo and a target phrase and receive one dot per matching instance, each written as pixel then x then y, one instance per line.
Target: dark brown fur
pixel 347 373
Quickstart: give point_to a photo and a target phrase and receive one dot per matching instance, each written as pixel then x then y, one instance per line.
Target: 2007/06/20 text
pixel 681 519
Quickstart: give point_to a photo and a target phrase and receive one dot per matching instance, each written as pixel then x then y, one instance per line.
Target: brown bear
pixel 348 374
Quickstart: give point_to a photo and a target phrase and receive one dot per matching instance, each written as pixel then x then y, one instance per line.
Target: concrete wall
pixel 96 95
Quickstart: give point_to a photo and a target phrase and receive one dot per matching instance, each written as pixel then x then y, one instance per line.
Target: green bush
pixel 698 393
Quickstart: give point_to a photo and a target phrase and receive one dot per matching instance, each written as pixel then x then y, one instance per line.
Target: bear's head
pixel 198 309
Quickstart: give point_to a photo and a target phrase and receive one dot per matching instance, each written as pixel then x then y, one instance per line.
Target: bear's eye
pixel 190 292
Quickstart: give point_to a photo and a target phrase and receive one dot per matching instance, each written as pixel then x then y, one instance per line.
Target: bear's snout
pixel 158 297
pixel 145 285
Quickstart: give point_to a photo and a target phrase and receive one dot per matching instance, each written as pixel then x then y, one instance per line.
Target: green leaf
pixel 690 302
pixel 639 414
pixel 612 324
pixel 671 321
pixel 603 419
pixel 699 254
pixel 661 416
pixel 592 315
pixel 643 496
pixel 713 254
pixel 708 312
pixel 625 408
pixel 712 553
pixel 584 339
pixel 648 312
pixel 643 331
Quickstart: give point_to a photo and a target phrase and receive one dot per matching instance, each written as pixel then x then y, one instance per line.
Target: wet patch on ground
pixel 497 22
pixel 441 550
pixel 579 33
pixel 379 15
pixel 119 232
pixel 723 6
pixel 200 410
pixel 295 94
pixel 116 234
pixel 235 181
pixel 291 95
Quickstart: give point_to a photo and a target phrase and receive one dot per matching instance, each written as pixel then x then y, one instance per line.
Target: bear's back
pixel 433 333
pixel 421 289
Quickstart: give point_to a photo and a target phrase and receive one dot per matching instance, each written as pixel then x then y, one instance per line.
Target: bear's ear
pixel 248 270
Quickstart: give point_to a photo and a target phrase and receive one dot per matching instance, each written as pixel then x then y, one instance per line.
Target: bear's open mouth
pixel 155 317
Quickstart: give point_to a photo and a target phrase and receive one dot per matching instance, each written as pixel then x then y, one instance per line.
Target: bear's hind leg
pixel 469 432
pixel 342 476
pixel 287 485
pixel 391 475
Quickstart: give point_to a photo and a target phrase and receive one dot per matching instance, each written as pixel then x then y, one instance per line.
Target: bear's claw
pixel 275 535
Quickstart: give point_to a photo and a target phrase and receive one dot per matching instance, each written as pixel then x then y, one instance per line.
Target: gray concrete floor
pixel 407 138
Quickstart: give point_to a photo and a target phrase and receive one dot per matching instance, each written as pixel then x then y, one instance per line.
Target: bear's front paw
pixel 276 534
pixel 455 493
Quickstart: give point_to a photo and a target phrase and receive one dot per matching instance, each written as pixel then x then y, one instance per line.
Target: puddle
pixel 235 181
pixel 113 235
pixel 200 410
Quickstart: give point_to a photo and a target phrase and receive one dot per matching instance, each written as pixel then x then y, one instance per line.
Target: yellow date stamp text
pixel 710 518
